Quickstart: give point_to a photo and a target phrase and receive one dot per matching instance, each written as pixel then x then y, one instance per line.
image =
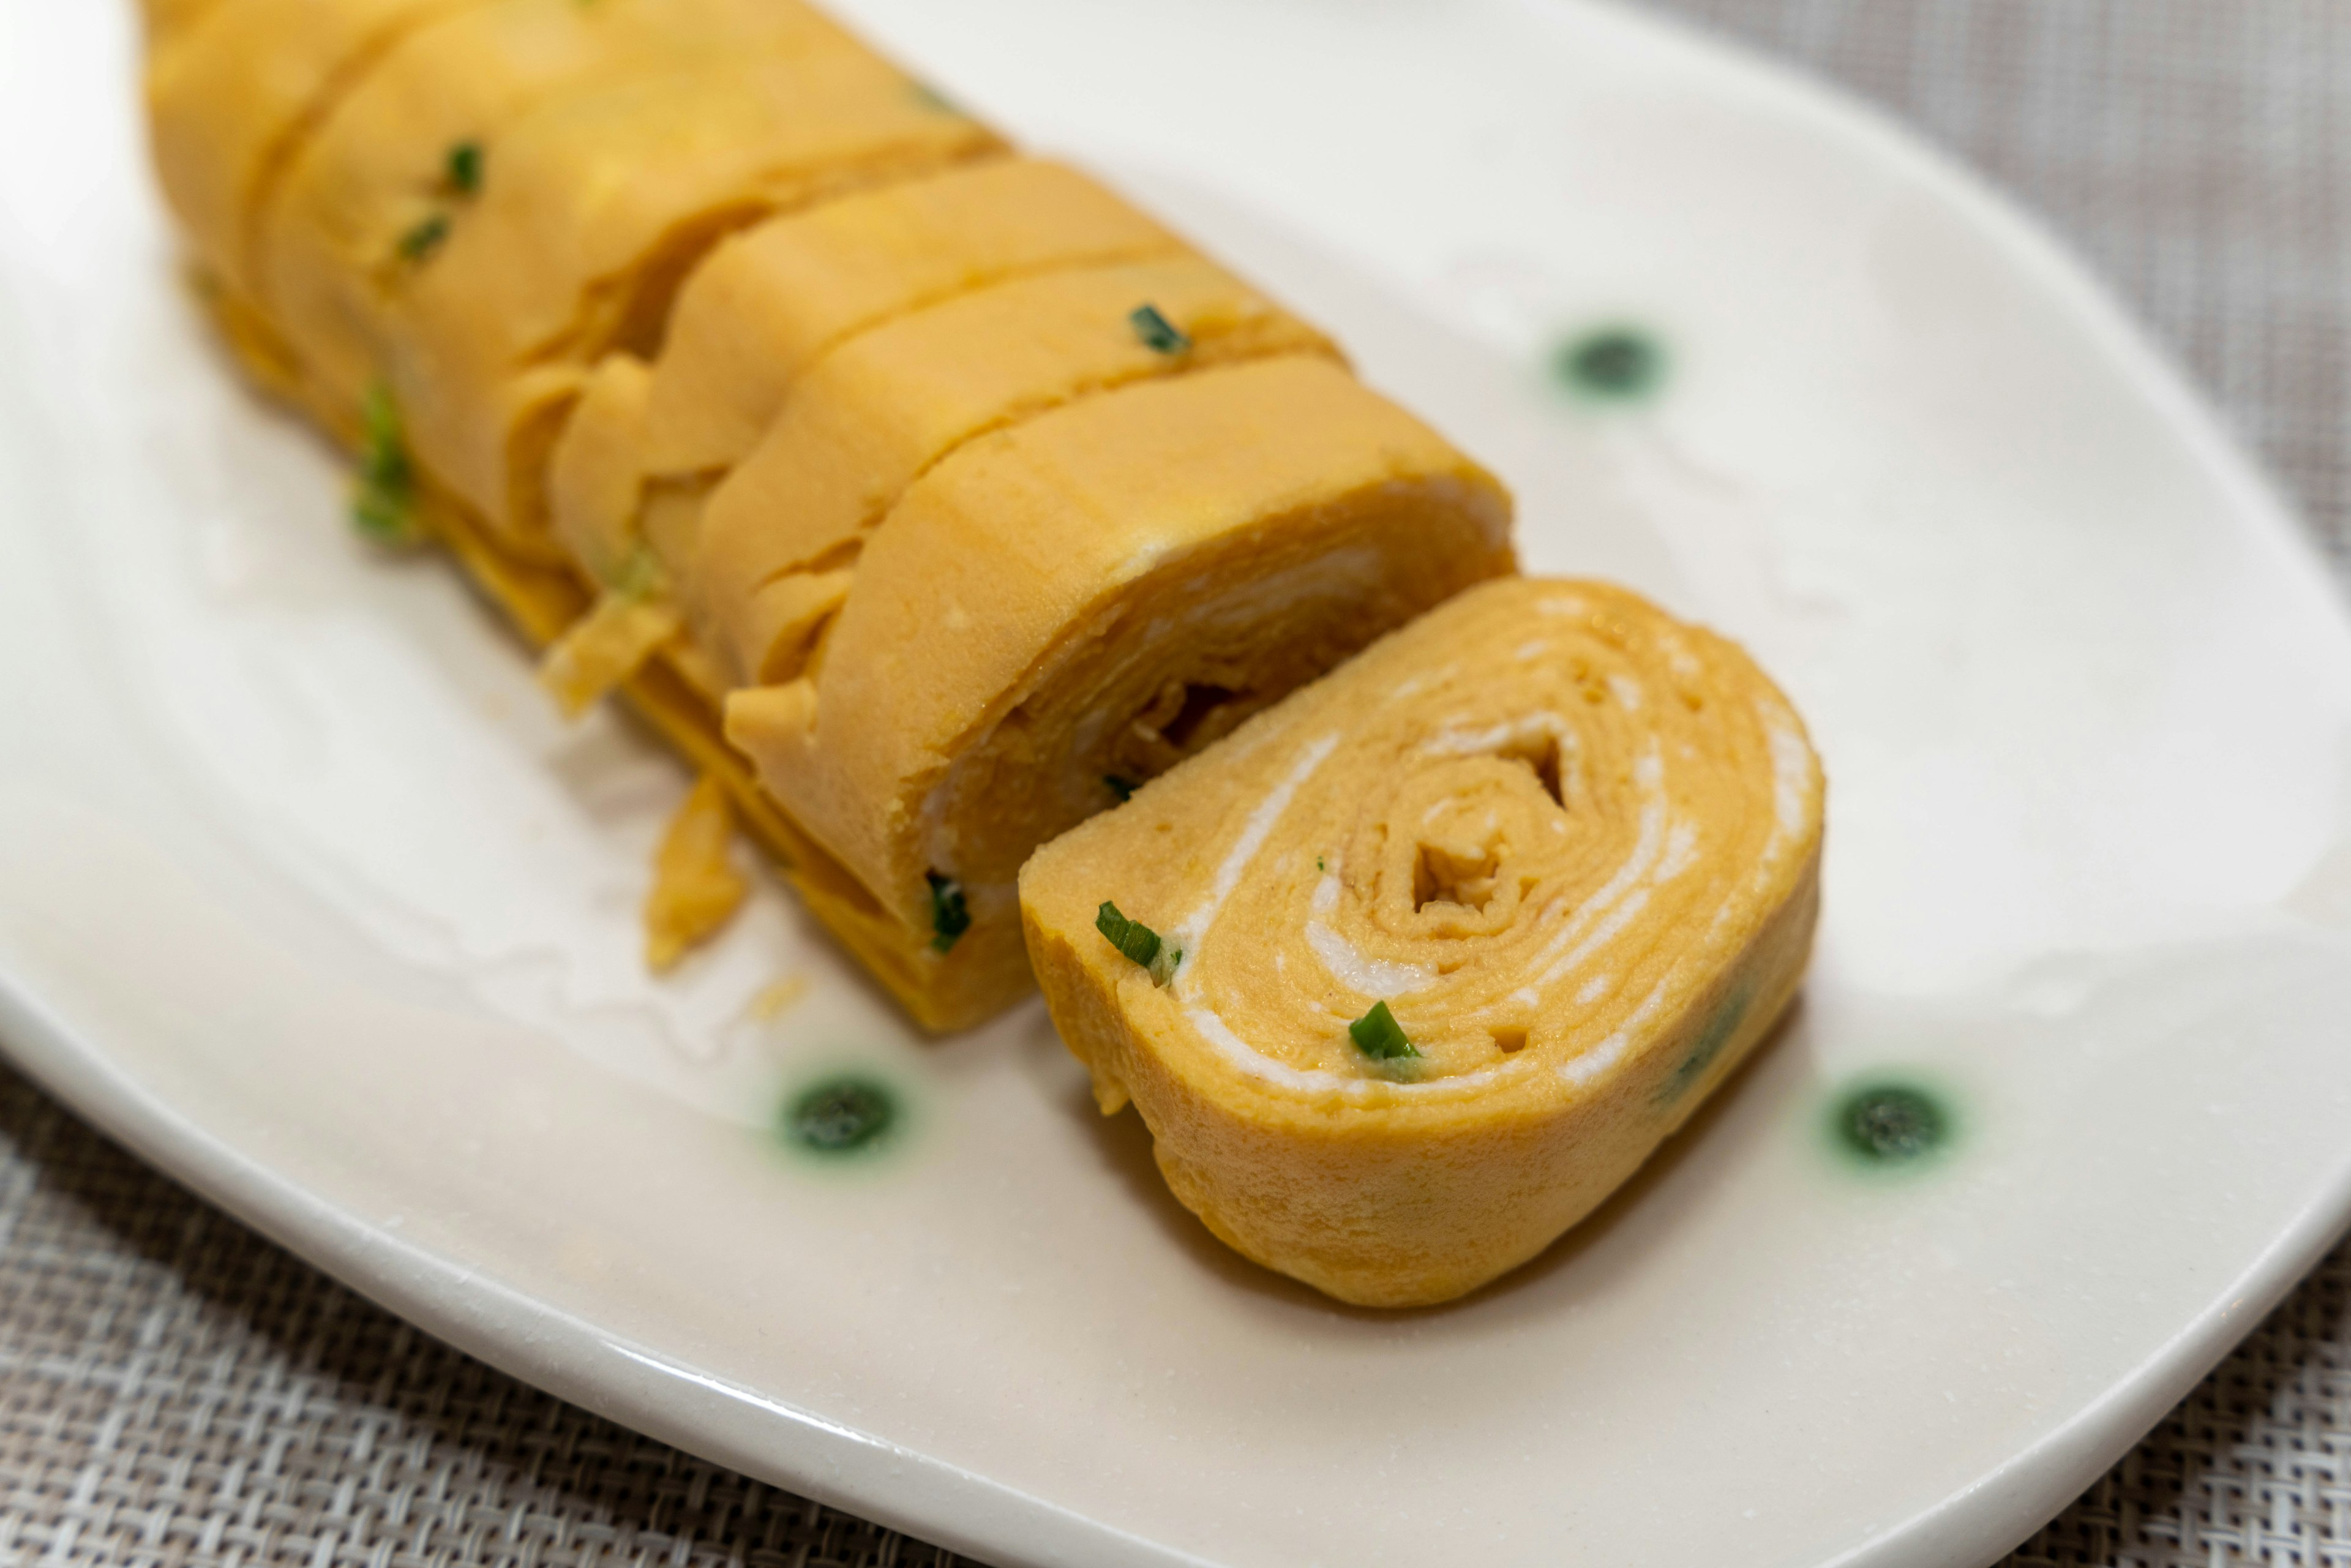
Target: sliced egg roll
pixel 1032 502
pixel 866 420
pixel 232 90
pixel 594 211
pixel 874 416
pixel 767 303
pixel 410 149
pixel 1417 967
pixel 1059 610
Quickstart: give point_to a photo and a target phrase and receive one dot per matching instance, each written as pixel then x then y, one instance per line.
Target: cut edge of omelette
pixel 1466 930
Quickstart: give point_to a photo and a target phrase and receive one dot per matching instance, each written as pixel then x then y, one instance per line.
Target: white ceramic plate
pixel 304 895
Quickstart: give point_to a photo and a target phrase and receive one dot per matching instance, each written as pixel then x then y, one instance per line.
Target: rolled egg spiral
pixel 1567 845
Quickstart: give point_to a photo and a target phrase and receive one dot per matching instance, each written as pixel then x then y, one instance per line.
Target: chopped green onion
pixel 382 520
pixel 464 172
pixel 1123 788
pixel 639 575
pixel 1377 1034
pixel 1139 943
pixel 418 244
pixel 1158 334
pixel 950 915
pixel 383 498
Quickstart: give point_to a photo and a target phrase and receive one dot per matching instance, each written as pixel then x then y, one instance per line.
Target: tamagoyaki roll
pixel 1417 967
pixel 928 497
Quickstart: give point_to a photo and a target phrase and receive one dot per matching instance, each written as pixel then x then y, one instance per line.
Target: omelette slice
pixel 234 88
pixel 596 210
pixel 773 557
pixel 411 148
pixel 771 302
pixel 1418 966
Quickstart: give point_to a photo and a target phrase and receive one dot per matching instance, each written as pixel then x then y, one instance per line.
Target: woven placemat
pixel 172 1388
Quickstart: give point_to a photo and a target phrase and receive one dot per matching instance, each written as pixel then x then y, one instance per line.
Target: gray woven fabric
pixel 174 1389
pixel 2197 153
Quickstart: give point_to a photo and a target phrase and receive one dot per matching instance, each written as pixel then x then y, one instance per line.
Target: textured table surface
pixel 172 1388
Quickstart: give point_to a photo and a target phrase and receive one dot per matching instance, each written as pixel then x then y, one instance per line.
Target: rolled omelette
pixel 1038 583
pixel 1419 965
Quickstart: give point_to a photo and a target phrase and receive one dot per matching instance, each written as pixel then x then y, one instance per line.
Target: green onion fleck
pixel 1158 334
pixel 1123 788
pixel 1139 943
pixel 950 915
pixel 418 244
pixel 383 498
pixel 1377 1034
pixel 464 172
pixel 639 575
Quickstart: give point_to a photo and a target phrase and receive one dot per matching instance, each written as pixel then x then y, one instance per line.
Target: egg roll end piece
pixel 1570 845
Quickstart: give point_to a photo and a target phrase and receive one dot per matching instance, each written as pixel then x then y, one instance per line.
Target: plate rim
pixel 2001 1509
pixel 944 1504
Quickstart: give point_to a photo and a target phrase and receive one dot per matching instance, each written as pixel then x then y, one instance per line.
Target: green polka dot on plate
pixel 1613 364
